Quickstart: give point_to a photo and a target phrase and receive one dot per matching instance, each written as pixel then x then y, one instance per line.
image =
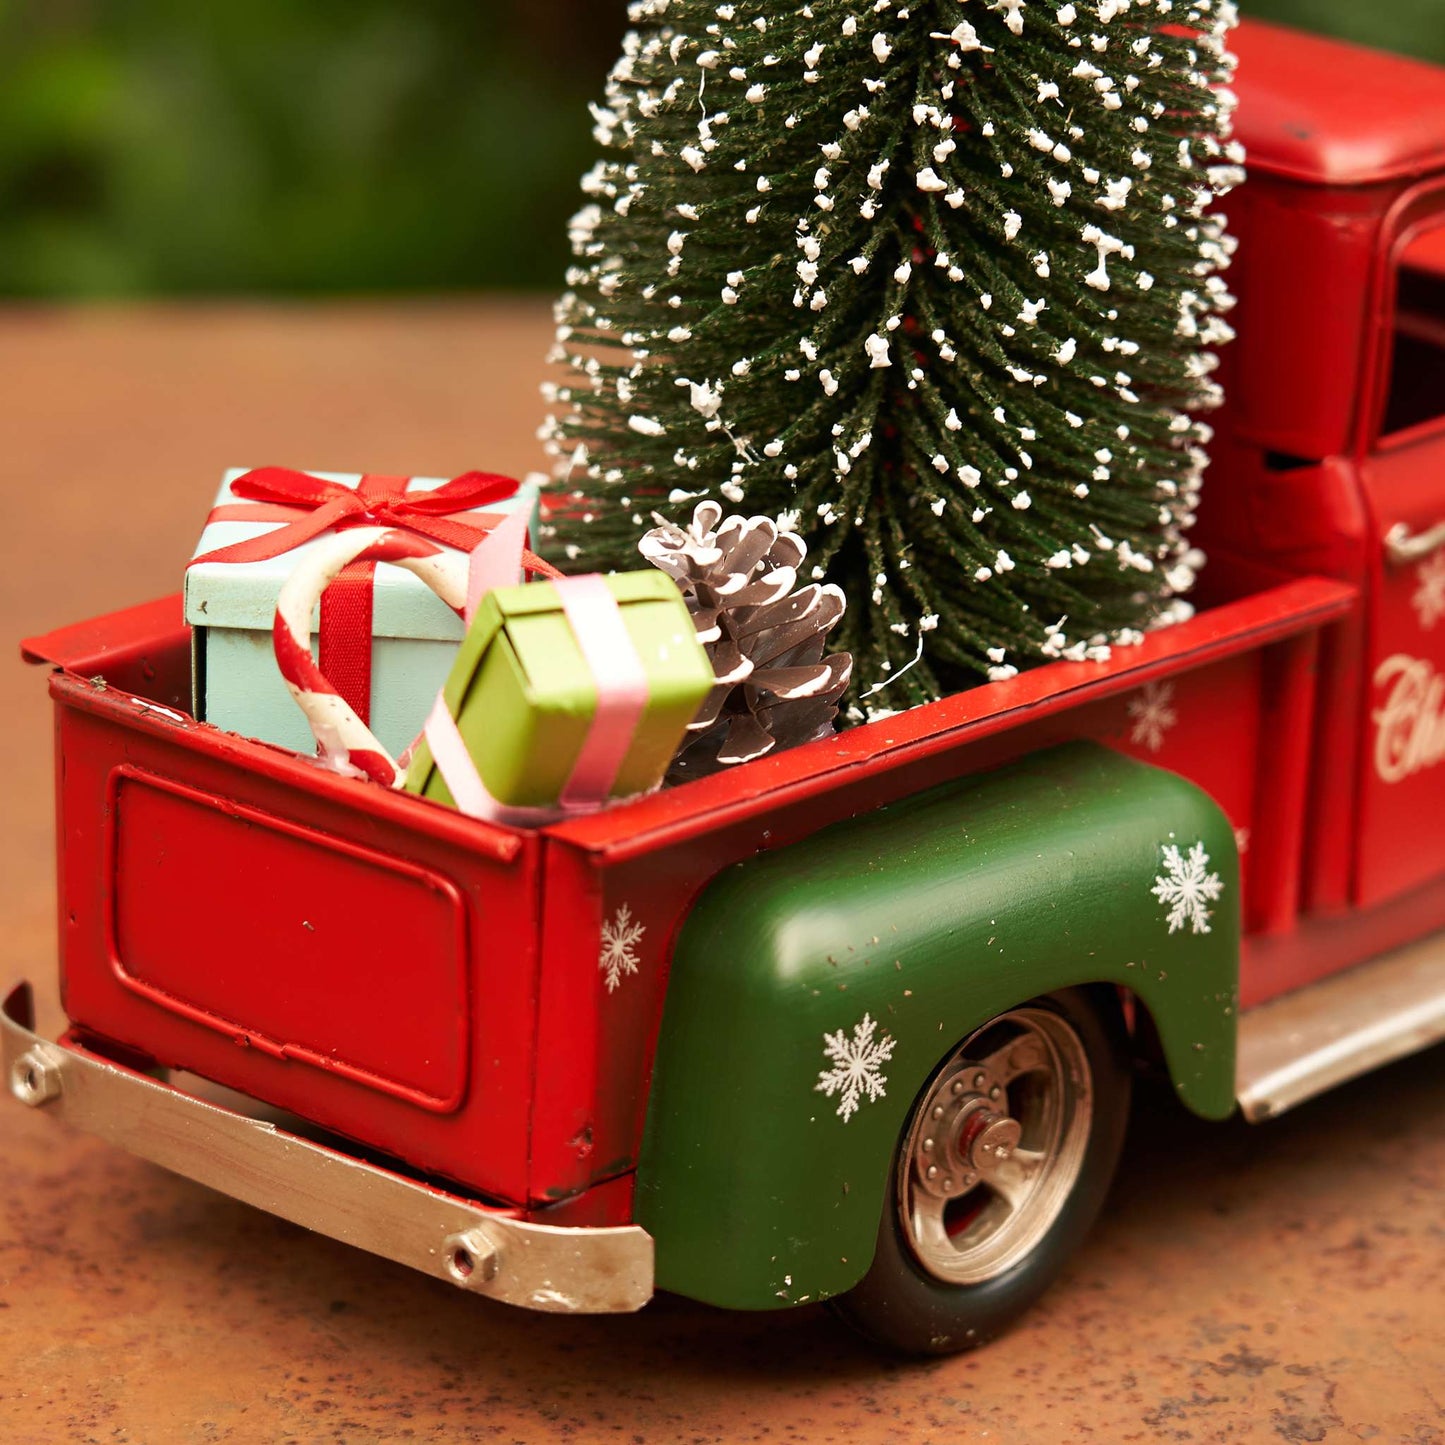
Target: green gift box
pixel 524 698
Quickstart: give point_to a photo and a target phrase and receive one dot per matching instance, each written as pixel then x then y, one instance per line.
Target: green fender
pixel 928 917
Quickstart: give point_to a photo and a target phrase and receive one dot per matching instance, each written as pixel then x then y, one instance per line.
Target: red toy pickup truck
pixel 855 1022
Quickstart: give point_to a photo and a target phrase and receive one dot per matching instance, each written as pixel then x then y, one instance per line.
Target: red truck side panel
pixel 484 1003
pixel 640 868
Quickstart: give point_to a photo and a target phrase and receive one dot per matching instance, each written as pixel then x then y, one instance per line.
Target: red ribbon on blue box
pixel 309 506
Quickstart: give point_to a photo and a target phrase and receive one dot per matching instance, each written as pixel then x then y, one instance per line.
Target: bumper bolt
pixel 471 1258
pixel 35 1079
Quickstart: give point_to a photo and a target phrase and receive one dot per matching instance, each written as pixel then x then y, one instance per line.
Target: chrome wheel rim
pixel 995 1147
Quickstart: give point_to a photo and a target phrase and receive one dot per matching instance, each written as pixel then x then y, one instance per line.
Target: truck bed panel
pixel 482 1002
pixel 352 957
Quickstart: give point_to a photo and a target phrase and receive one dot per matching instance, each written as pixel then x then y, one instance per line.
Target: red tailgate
pixel 357 957
pixel 323 932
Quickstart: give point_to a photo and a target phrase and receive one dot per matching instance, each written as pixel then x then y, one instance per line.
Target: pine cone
pixel 775 688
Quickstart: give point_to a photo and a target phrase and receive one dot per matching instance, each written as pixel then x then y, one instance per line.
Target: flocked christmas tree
pixel 932 281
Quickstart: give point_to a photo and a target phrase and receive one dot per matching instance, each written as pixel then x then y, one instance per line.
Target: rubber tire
pixel 902 1308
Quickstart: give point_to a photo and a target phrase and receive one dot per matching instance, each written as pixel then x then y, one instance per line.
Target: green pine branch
pixel 934 282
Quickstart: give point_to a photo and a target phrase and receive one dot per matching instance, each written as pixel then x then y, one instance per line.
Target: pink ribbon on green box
pixel 348 744
pixel 617 673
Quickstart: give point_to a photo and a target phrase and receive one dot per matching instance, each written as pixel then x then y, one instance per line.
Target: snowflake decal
pixel 1429 598
pixel 1186 886
pixel 1152 712
pixel 619 947
pixel 856 1066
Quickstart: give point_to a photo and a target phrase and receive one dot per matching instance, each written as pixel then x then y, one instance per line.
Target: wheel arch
pixel 889 938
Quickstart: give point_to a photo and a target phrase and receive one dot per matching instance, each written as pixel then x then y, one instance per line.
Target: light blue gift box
pixel 231 607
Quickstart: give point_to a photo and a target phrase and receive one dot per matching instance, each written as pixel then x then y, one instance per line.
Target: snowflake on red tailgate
pixel 620 938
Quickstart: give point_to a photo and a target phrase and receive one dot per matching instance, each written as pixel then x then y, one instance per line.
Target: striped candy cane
pixel 346 744
pixel 349 747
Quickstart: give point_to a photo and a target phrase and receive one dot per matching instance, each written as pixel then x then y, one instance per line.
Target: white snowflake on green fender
pixel 1429 598
pixel 856 1066
pixel 620 938
pixel 1151 710
pixel 1186 886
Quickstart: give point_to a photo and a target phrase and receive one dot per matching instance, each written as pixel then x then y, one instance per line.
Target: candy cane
pixel 346 744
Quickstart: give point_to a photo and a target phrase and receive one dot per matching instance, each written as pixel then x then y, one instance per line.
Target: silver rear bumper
pixel 537 1266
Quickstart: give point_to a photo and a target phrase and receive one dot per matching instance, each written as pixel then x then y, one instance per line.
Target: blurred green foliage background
pixel 301 146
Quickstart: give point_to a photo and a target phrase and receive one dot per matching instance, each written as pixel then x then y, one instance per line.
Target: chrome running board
pixel 1327 1033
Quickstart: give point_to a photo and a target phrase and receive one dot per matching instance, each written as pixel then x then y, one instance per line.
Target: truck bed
pixel 482 1003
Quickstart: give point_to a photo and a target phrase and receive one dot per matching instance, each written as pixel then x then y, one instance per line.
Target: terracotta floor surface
pixel 1279 1283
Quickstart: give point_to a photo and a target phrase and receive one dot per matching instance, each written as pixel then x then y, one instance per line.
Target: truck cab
pixel 1330 453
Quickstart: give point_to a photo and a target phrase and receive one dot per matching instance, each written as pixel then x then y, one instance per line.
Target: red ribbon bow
pixel 311 505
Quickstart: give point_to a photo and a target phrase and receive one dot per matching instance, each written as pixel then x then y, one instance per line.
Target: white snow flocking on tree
pixel 946 256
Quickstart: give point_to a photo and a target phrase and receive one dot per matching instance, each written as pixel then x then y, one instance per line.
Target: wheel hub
pixel 988 1139
pixel 995 1146
pixel 968 1139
